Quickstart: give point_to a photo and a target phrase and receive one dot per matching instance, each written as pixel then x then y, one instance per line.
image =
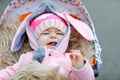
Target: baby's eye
pixel 45 33
pixel 59 33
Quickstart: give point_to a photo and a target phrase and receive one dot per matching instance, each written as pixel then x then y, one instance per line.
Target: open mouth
pixel 52 43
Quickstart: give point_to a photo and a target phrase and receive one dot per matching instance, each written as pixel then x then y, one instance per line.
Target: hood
pixel 19 37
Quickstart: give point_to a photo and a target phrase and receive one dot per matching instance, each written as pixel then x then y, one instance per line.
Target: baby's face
pixel 50 37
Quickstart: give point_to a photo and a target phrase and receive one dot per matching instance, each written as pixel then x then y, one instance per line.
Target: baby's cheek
pixel 60 36
pixel 42 41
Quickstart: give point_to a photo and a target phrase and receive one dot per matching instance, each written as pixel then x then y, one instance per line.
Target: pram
pixel 19 9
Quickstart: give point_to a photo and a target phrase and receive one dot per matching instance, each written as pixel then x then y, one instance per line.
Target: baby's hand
pixel 76 58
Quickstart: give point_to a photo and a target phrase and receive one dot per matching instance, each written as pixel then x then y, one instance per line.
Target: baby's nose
pixel 53 35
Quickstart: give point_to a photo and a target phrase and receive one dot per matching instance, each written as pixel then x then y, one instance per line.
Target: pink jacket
pixel 52 59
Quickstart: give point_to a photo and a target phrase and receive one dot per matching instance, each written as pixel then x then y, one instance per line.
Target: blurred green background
pixel 106 17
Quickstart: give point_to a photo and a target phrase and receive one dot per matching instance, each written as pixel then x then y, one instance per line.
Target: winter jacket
pixel 52 59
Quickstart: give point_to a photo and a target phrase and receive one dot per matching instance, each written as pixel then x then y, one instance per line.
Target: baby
pixel 50 30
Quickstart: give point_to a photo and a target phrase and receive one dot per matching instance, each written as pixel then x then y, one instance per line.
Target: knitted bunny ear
pixel 81 27
pixel 18 38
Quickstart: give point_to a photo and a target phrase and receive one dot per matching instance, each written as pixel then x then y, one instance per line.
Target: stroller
pixel 17 10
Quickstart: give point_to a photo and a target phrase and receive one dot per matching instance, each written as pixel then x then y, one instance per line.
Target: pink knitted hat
pixel 46 21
